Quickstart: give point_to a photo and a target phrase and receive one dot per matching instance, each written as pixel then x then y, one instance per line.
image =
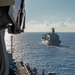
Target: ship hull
pixel 49 42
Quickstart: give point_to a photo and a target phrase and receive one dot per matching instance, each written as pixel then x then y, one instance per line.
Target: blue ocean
pixel 59 59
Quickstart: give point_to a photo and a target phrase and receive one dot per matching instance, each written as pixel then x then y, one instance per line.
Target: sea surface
pixel 59 59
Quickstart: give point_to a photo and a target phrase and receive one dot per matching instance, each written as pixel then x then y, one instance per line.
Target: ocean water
pixel 59 59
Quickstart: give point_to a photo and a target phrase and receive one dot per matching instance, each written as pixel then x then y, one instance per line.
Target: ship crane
pixel 12 17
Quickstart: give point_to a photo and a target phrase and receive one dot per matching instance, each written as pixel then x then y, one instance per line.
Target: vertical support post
pixel 12 45
pixel 3 55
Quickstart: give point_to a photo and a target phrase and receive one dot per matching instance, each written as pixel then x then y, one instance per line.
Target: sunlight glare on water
pixel 28 47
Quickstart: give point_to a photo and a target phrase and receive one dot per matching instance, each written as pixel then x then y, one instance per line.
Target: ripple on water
pixel 61 59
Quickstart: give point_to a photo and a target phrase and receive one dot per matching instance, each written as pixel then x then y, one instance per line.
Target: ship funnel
pixel 53 30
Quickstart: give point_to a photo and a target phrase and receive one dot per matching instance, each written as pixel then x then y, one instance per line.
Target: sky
pixel 42 15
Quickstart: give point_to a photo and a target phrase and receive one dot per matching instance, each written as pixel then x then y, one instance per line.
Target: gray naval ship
pixel 51 38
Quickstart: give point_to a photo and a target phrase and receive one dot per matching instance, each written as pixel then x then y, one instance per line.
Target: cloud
pixel 53 17
pixel 36 26
pixel 69 23
pixel 62 26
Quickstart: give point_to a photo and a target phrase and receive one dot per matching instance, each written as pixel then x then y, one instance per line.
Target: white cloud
pixel 35 26
pixel 69 23
pixel 53 17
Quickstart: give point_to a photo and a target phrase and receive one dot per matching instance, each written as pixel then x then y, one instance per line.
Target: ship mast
pixel 53 30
